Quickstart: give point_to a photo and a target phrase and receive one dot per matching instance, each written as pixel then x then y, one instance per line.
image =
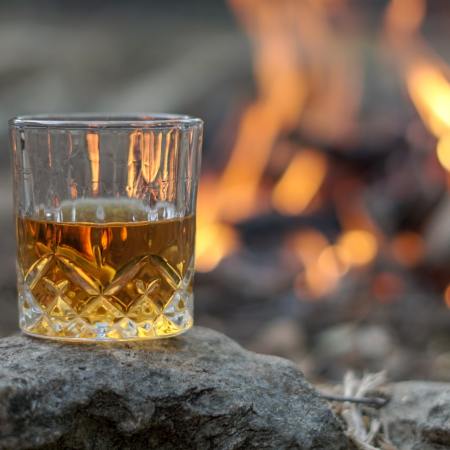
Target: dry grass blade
pixel 364 431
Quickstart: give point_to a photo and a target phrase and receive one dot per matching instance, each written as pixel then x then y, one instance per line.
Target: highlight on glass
pixel 105 220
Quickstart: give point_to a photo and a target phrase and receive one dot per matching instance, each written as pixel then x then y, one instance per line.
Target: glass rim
pixel 105 120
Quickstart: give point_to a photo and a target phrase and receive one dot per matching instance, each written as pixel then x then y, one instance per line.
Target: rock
pixel 418 415
pixel 197 391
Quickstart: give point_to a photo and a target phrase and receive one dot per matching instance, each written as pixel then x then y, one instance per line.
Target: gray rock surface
pixel 198 391
pixel 418 415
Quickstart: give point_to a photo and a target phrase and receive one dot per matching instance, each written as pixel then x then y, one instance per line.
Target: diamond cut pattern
pixel 46 307
pixel 102 309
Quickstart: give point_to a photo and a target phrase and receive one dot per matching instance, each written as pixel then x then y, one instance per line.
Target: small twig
pixel 374 401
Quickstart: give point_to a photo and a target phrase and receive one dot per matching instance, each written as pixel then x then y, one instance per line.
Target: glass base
pixel 81 340
pixel 57 322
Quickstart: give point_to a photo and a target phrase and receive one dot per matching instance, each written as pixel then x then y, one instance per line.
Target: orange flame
pixel 280 99
pixel 429 89
pixel 447 296
pixel 218 240
pixel 443 151
pixel 281 95
pixel 92 141
pixel 308 245
pixel 214 240
pixel 325 264
pixel 290 39
pixel 323 267
pixel 359 242
pixel 430 92
pixel 300 182
pixel 423 70
pixel 357 247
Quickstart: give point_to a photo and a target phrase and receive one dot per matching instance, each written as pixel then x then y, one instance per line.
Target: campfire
pixel 335 209
pixel 321 233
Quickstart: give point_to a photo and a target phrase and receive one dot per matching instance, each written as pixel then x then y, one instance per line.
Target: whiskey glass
pixel 105 223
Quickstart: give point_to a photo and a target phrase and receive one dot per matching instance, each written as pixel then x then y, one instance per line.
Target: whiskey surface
pixel 124 278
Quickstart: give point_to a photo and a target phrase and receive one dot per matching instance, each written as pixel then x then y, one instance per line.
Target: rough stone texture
pixel 197 391
pixel 418 415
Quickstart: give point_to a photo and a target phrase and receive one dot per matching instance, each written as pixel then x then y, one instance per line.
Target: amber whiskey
pixel 106 273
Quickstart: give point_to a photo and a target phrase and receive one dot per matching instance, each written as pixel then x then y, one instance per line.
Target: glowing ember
pixel 357 247
pixel 387 287
pixel 330 263
pixel 299 183
pixel 447 296
pixel 325 264
pixel 443 151
pixel 408 248
pixel 322 265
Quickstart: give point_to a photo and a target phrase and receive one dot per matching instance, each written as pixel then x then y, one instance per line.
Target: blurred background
pixel 324 209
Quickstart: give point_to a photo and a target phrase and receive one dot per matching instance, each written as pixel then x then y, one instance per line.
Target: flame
pixel 308 245
pixel 281 95
pixel 443 151
pixel 280 99
pixel 300 182
pixel 330 263
pixel 447 296
pixel 323 267
pixel 217 241
pixel 424 72
pixel 358 243
pixel 430 92
pixel 357 247
pixel 290 40
pixel 92 141
pixel 324 263
pixel 214 240
pixel 429 89
pixel 405 16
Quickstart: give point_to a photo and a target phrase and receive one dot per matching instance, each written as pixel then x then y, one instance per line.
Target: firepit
pixel 325 225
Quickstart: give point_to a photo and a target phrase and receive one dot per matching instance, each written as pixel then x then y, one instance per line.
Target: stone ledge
pixel 418 415
pixel 197 391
